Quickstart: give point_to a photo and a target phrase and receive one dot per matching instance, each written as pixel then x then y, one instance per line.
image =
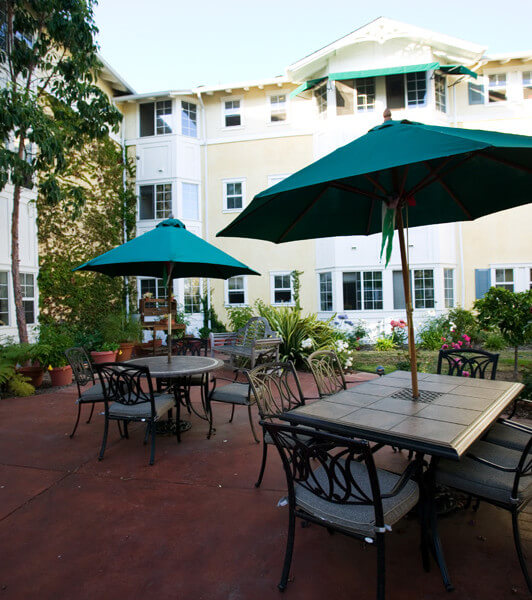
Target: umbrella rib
pixel 292 225
pixel 428 179
pixel 350 188
pixel 508 163
pixel 451 193
pixel 376 184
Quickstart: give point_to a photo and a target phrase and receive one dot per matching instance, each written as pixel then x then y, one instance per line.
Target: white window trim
pixel 272 288
pixel 318 283
pixel 172 121
pixel 279 92
pixel 501 71
pixel 180 200
pixel 363 307
pixel 226 293
pixel 426 102
pixel 453 269
pixel 180 106
pixel 154 184
pixel 241 180
pixel 521 278
pixel 222 106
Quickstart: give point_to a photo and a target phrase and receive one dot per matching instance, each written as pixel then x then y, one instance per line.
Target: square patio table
pixel 450 414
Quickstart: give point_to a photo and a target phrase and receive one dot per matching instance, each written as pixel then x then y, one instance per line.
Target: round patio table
pixel 178 370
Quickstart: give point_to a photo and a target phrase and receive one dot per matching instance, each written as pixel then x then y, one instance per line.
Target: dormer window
pixel 155 118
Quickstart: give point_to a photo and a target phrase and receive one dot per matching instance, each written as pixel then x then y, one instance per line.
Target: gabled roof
pixel 116 81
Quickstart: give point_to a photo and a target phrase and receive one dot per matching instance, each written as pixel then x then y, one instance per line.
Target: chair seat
pixel 472 477
pixel 507 436
pixel 93 394
pixel 142 410
pixel 233 393
pixel 198 379
pixel 302 438
pixel 359 519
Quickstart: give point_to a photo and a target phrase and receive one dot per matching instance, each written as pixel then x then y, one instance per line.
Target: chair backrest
pixel 257 328
pixel 304 450
pixel 79 360
pixel 469 363
pixel 191 346
pixel 276 388
pixel 124 383
pixel 524 467
pixel 327 371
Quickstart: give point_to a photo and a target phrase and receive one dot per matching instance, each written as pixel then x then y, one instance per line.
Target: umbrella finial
pixel 387 114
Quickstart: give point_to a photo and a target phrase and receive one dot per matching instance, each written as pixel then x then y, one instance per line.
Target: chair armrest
pixel 273 341
pixel 491 464
pixel 515 425
pixel 403 480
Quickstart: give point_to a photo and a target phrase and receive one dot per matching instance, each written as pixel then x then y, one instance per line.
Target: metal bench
pixel 256 340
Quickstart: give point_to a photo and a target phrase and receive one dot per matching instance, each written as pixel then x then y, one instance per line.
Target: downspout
pixel 460 232
pixel 124 188
pixel 205 193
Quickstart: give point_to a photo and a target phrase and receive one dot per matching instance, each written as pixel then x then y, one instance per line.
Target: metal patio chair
pixel 327 371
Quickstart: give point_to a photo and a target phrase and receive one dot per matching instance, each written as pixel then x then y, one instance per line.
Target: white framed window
pixel 232 112
pixel 476 93
pixel 155 118
pixel 278 108
pixel 504 278
pixel 416 89
pixel 424 288
pixel 190 201
pixel 448 288
pixel 440 92
pixel 497 87
pixel 362 290
pixel 234 194
pixel 320 93
pixel 326 292
pixel 27 283
pixel 192 295
pixel 189 119
pixel 236 291
pixel 155 201
pixel 365 93
pixel 153 286
pixel 4 298
pixel 282 290
pixel 527 84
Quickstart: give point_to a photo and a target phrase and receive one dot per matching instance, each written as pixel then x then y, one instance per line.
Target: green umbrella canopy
pixel 168 245
pixel 446 174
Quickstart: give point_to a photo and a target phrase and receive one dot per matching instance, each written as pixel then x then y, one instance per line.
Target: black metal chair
pixel 83 374
pixel 469 362
pixel 276 389
pixel 125 400
pixel 327 372
pixel 495 474
pixel 332 481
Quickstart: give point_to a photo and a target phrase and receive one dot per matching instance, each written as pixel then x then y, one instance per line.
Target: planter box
pixel 61 375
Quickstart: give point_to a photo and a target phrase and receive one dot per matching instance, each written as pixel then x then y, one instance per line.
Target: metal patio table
pixel 179 369
pixel 450 414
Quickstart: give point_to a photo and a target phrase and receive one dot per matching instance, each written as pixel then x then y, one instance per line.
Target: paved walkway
pixel 193 526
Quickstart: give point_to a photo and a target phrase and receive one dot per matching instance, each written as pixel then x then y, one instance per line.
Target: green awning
pixel 457 70
pixel 306 86
pixel 382 72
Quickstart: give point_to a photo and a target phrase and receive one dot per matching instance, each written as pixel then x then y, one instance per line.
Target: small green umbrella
pixel 434 174
pixel 171 252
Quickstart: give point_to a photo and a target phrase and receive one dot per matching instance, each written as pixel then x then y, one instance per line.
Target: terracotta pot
pixel 104 356
pixel 126 351
pixel 36 374
pixel 61 375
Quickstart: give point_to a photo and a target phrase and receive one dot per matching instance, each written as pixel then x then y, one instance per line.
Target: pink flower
pixel 455 346
pixel 459 342
pixel 466 337
pixel 394 323
pixel 466 373
pixel 443 339
pixel 445 347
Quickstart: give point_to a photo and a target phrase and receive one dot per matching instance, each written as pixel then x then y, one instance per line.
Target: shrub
pixel 494 341
pixel 57 338
pixel 463 322
pixel 384 344
pixel 432 332
pixel 239 316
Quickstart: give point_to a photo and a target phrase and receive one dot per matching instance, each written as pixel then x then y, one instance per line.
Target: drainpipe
pixel 205 192
pixel 124 187
pixel 461 255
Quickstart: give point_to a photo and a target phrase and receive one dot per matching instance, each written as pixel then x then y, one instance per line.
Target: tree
pixel 49 105
pixel 511 313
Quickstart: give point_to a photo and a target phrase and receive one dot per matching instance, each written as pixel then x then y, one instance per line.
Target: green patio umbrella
pixel 399 169
pixel 169 251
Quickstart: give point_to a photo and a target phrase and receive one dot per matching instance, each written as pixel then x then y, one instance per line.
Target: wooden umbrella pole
pixel 408 302
pixel 169 301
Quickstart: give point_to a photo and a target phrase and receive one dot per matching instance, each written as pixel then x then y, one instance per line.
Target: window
pixel 365 90
pixel 363 290
pixel 326 292
pixel 190 203
pixel 191 298
pixel 28 157
pixel 440 92
pixel 4 299
pixel 416 88
pixel 320 93
pixel 448 287
pixel 504 278
pixel 345 96
pixel 362 89
pixel 236 291
pixel 527 85
pixel 278 108
pixel 232 116
pixel 497 87
pixel 155 201
pixel 423 288
pixel 189 119
pixel 27 283
pixel 476 93
pixel 282 289
pixel 395 91
pixel 153 286
pixel 234 191
pixel 155 118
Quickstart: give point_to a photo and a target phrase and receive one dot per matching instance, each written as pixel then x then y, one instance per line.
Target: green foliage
pixel 18 385
pixel 296 284
pixel 432 332
pixel 11 382
pixel 120 327
pixel 527 381
pixel 209 314
pixel 494 341
pixel 464 322
pixel 56 338
pixel 385 344
pixel 239 316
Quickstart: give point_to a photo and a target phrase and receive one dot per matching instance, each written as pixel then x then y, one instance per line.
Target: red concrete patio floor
pixel 194 527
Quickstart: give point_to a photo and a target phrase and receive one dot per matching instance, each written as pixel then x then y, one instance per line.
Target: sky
pixel 170 44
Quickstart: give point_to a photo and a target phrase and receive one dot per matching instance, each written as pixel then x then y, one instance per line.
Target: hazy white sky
pixel 171 44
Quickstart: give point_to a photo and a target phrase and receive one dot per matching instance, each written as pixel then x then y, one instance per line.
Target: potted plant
pixel 56 337
pixel 106 353
pixel 122 329
pixel 32 360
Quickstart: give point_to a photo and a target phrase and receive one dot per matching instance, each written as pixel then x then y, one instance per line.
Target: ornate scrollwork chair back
pixel 469 363
pixel 327 371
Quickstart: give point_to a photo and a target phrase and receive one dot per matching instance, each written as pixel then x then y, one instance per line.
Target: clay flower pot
pixel 126 351
pixel 104 356
pixel 61 375
pixel 36 374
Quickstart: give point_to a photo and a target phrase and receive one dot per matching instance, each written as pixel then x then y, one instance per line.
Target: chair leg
pixel 263 464
pixel 437 548
pixel 146 433
pixel 381 567
pixel 92 411
pixel 519 548
pixel 289 551
pixel 126 432
pixel 232 413
pixel 251 423
pixel 152 454
pixel 77 421
pixel 104 440
pixel 178 422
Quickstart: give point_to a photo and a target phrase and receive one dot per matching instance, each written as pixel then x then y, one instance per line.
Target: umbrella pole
pixel 169 301
pixel 408 302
